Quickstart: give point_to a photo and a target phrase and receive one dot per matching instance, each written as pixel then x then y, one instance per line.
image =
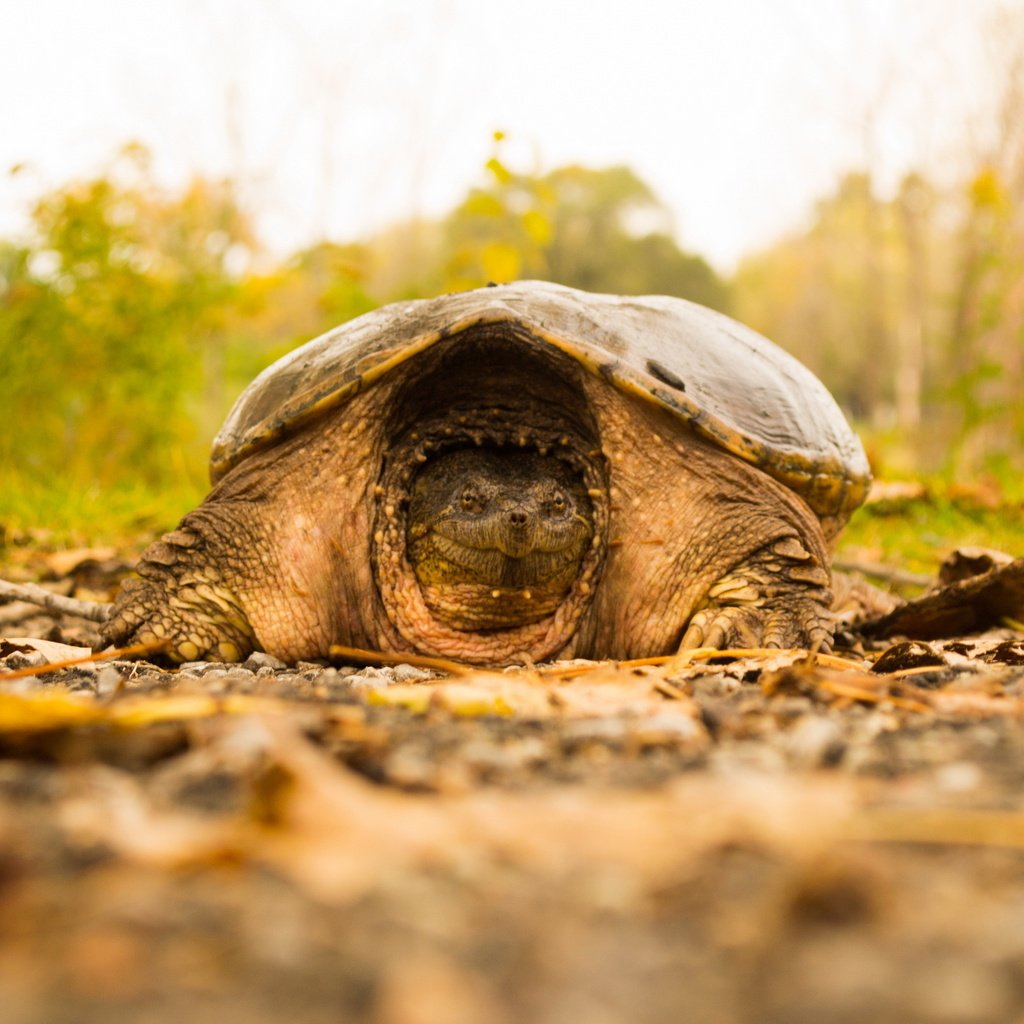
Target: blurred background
pixel 189 190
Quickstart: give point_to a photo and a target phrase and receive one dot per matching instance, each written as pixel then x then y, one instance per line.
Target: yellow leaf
pixel 472 701
pixel 500 262
pixel 987 189
pixel 412 697
pixel 537 226
pixel 483 204
pixel 501 173
pixel 44 711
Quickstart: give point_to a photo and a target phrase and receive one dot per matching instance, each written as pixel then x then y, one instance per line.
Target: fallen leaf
pixel 41 712
pixel 64 563
pixel 52 651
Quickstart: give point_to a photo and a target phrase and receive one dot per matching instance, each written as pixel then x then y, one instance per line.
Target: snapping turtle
pixel 519 472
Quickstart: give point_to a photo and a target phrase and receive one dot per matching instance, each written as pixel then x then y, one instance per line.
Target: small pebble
pixel 665 728
pixel 486 755
pixel 591 730
pixel 746 760
pixel 372 679
pixel 409 673
pixel 215 679
pixel 239 674
pixel 959 777
pixel 260 659
pixel 108 680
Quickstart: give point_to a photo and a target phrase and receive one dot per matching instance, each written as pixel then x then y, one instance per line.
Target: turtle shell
pixel 724 380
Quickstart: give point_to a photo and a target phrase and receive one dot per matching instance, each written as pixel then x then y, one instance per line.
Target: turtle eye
pixel 469 500
pixel 557 502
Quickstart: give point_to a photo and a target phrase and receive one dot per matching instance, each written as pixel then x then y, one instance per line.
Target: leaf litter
pixel 739 835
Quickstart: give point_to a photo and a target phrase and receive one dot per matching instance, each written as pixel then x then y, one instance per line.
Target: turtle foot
pixel 181 605
pixel 777 598
pixel 799 623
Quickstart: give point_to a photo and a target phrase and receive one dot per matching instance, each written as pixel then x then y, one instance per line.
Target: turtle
pixel 512 474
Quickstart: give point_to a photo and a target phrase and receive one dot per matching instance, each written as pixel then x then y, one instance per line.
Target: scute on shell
pixel 724 380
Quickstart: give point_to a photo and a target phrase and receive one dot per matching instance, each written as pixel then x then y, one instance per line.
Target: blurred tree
pixel 601 230
pixel 986 343
pixel 915 208
pixel 911 309
pixel 105 313
pixel 824 295
pixel 610 233
pixel 309 293
pixel 500 231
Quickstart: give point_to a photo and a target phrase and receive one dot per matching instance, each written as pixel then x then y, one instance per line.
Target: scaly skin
pixel 281 549
pixel 704 549
pixel 299 548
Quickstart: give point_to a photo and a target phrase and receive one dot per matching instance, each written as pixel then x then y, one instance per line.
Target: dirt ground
pixel 753 838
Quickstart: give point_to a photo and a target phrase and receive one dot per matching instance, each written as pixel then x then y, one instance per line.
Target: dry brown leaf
pixel 594 698
pixel 965 704
pixel 111 809
pixel 63 563
pixel 52 651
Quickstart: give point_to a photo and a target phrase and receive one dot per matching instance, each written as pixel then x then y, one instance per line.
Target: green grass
pixel 916 535
pixel 72 513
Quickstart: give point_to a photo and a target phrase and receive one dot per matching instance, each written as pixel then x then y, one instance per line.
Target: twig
pixel 674 662
pixel 386 658
pixel 860 693
pixel 94 611
pixel 708 653
pixel 917 670
pixel 53 666
pixel 883 572
pixel 667 689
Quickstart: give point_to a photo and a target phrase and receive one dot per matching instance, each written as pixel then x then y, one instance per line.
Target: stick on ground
pixel 94 611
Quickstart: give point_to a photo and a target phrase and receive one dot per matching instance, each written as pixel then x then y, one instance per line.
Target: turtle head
pixel 496 538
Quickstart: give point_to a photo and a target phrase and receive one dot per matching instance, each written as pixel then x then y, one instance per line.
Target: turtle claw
pixel 779 597
pixel 178 603
pixel 722 628
pixel 801 622
pixel 186 627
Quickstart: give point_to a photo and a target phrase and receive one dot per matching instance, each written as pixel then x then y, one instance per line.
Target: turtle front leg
pixel 777 597
pixel 180 600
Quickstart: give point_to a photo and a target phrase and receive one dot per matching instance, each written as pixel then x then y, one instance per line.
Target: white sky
pixel 338 117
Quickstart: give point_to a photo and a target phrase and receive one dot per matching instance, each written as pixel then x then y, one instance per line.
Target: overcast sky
pixel 338 117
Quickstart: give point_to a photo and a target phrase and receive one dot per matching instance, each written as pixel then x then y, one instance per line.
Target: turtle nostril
pixel 518 518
